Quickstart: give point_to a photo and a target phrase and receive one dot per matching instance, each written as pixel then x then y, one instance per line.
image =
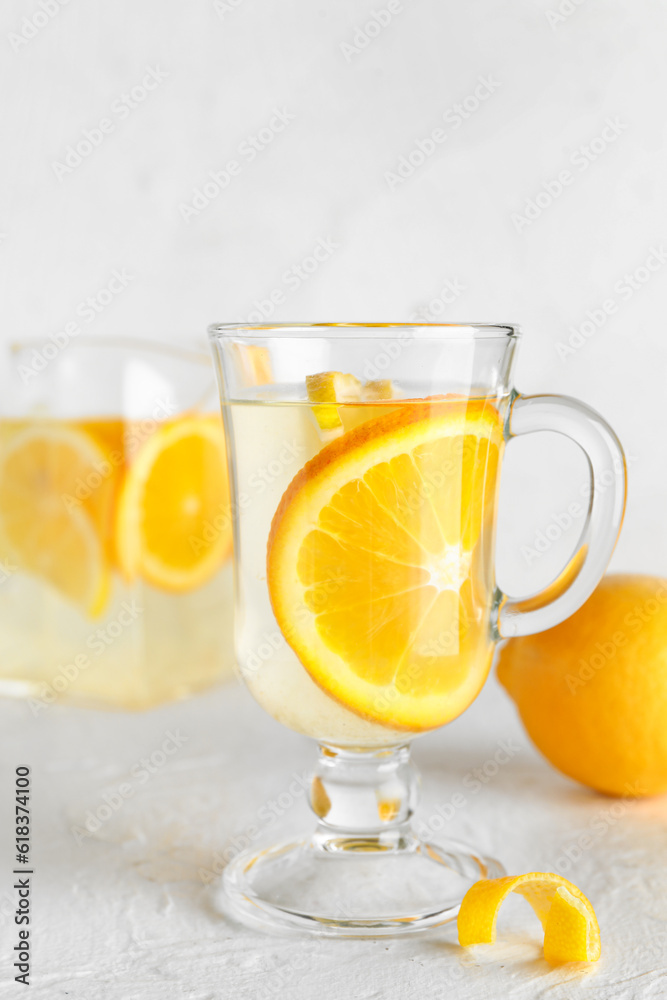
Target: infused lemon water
pixel 365 538
pixel 115 539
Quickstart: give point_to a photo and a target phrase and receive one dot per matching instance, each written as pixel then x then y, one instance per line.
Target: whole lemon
pixel 592 692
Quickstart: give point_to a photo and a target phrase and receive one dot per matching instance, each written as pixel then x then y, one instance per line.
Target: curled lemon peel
pixel 571 931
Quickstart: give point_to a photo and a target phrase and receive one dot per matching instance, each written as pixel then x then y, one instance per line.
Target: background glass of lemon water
pixel 325 424
pixel 77 621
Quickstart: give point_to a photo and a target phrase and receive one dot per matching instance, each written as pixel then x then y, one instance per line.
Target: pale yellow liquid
pixel 273 440
pixel 148 646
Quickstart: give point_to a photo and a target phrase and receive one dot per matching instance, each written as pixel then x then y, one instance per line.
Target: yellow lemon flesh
pixel 44 526
pixel 373 562
pixel 173 524
pixel 331 387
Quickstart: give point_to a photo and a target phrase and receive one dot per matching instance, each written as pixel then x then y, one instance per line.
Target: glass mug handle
pixel 575 584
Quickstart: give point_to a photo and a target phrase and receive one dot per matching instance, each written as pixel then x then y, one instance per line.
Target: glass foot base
pixel 352 887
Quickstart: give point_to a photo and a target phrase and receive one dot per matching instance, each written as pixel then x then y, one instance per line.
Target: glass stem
pixel 364 800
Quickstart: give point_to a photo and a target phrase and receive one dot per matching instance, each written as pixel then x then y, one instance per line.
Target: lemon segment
pixel 173 522
pixel 331 387
pixel 371 559
pixel 255 363
pixel 381 388
pixel 55 504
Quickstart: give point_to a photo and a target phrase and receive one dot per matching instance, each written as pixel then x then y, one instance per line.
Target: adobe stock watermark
pixel 270 642
pixel 134 435
pixel 292 279
pixel 277 979
pixel 598 826
pixel 286 455
pixel 88 310
pixel 32 24
pixel 139 774
pixel 450 291
pixel 474 781
pixel 224 7
pixel 121 109
pixel 364 34
pixel 265 817
pixel 450 638
pixel 447 643
pixel 248 150
pixel 138 430
pixel 564 10
pixel 581 159
pixel 425 147
pixel 652 949
pixel 624 289
pixel 561 522
pixel 7 570
pixel 97 642
pixel 633 622
pixel 283 969
pixel 387 354
pixel 7 908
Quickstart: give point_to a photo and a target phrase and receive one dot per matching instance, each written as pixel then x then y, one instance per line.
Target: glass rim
pixel 437 331
pixel 117 342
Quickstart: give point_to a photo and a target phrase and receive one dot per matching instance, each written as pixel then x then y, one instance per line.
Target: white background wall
pixel 559 71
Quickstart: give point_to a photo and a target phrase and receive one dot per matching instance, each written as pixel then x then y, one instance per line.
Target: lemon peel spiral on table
pixel 571 931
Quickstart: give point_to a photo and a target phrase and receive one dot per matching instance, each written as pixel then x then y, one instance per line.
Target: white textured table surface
pixel 125 914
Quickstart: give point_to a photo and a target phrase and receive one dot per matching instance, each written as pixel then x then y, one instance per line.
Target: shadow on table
pixel 513 954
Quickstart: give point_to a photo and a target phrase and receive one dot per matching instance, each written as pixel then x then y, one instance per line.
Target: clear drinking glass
pixel 365 463
pixel 115 534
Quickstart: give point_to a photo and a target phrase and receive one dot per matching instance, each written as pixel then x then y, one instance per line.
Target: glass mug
pixel 367 611
pixel 115 535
